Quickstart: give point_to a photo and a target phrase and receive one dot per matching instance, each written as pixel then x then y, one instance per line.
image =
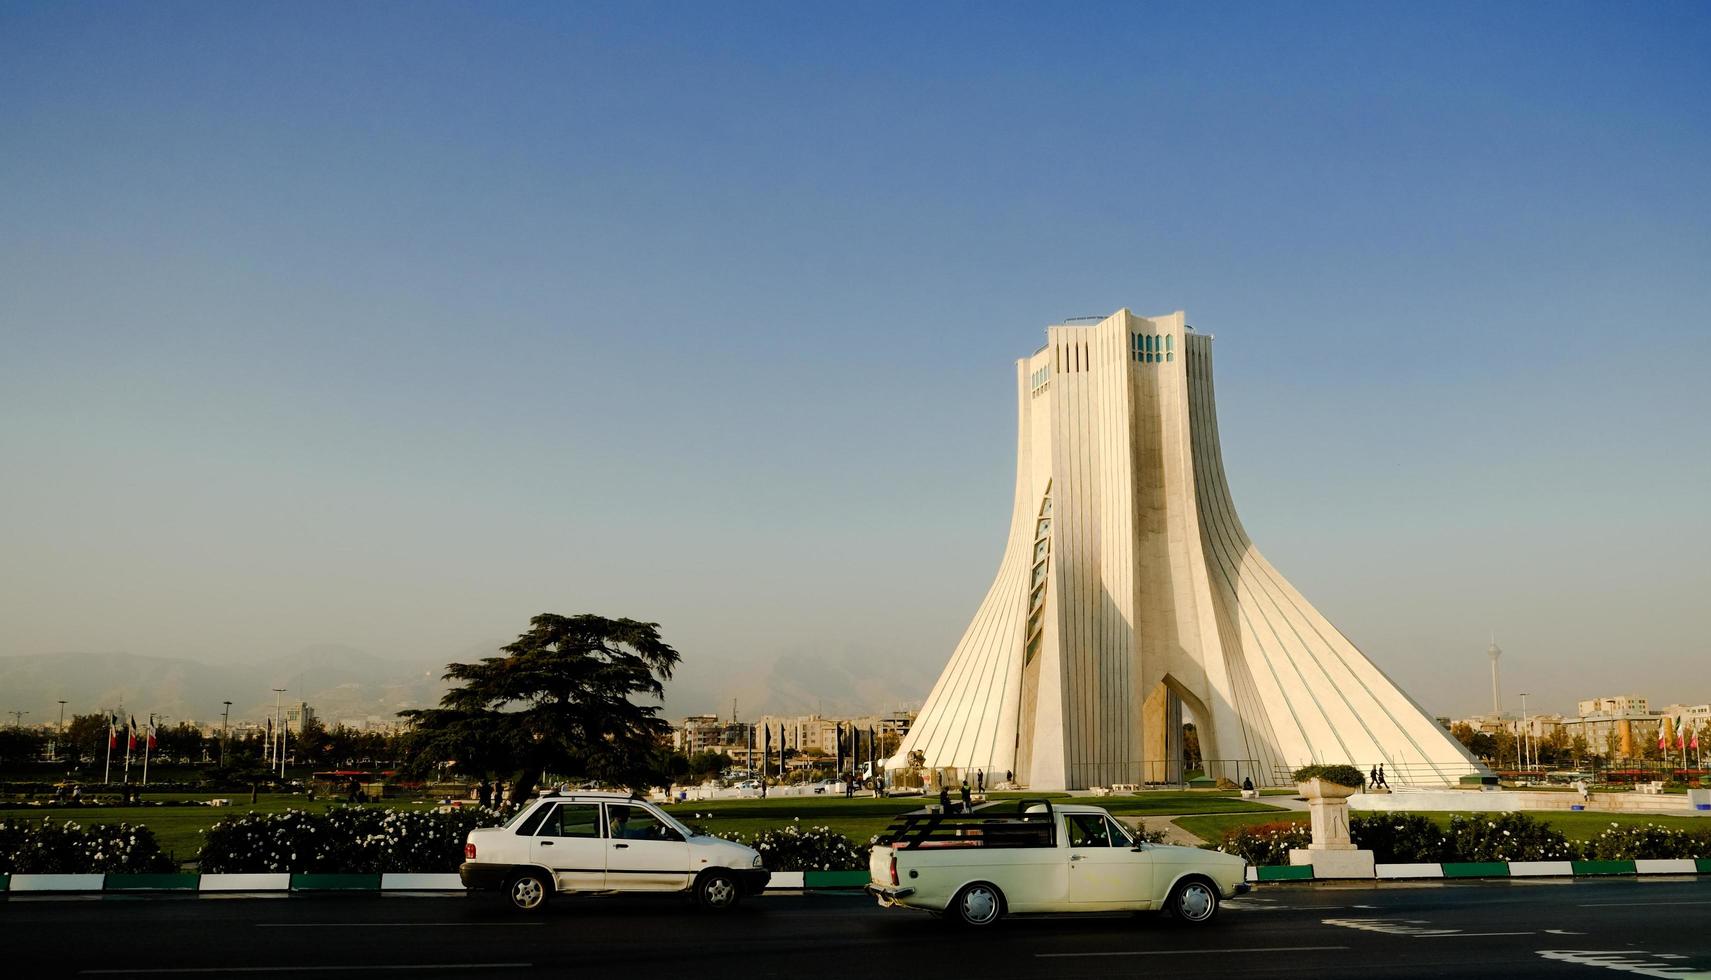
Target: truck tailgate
pixel 879 864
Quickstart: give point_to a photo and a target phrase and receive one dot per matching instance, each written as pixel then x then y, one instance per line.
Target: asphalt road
pixel 1658 928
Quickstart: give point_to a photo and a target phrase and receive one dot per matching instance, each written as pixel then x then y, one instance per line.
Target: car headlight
pixel 757 862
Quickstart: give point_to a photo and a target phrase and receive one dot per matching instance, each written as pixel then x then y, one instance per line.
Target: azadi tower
pixel 1129 591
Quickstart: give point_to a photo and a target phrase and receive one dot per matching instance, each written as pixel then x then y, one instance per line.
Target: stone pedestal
pixel 1335 864
pixel 1333 853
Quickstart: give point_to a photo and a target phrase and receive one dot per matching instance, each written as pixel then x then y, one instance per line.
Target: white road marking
pixel 1625 961
pixel 1393 927
pixel 1623 905
pixel 318 969
pixel 376 925
pixel 1417 928
pixel 1189 952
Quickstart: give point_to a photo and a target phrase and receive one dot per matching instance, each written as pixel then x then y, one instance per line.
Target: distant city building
pixel 1621 704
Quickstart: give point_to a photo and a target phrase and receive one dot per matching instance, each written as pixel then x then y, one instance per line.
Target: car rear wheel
pixel 1194 901
pixel 717 891
pixel 977 905
pixel 528 892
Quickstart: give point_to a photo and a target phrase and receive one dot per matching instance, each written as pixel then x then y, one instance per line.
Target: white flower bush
pixel 43 847
pixel 790 848
pixel 343 840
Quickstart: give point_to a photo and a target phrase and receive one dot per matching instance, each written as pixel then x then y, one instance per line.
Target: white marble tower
pixel 1129 592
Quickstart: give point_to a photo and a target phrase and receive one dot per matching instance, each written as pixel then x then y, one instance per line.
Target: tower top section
pixel 1094 322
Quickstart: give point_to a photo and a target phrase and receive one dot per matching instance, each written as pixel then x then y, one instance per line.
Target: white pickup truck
pixel 605 842
pixel 1040 857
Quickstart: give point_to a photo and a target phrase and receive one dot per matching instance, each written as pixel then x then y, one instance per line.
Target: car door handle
pixel 546 843
pixel 620 845
pixel 1076 857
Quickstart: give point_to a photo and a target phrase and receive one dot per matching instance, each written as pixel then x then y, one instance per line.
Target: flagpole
pixel 112 734
pixel 146 732
pixel 130 739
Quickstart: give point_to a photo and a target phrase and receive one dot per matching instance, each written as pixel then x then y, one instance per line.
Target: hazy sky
pixel 395 324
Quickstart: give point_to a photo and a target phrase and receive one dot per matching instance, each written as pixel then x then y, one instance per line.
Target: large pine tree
pixel 562 699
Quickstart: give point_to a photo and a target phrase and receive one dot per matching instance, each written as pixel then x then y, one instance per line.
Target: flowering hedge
pixel 1622 842
pixel 43 847
pixel 344 839
pixel 1412 838
pixel 790 848
pixel 1401 838
pixel 1266 843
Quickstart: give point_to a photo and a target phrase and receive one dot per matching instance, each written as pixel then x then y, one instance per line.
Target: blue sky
pixel 394 324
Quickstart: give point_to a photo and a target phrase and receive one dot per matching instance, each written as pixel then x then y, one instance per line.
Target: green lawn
pixel 1572 824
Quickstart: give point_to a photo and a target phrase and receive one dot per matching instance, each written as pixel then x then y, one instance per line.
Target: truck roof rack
pixel 1030 826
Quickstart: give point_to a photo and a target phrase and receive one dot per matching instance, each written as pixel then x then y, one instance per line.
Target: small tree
pixel 559 700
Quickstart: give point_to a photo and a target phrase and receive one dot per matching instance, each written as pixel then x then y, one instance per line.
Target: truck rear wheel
pixel 977 905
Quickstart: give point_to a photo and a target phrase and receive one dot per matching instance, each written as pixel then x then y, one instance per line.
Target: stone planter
pixel 1333 853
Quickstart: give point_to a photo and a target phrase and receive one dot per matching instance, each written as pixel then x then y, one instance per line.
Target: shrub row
pixel 790 848
pixel 44 847
pixel 1411 838
pixel 344 839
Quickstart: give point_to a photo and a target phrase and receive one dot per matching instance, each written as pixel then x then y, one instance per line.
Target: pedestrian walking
pixel 980 781
pixel 355 794
pixel 1372 777
pixel 484 793
pixel 849 786
pixel 967 803
pixel 944 799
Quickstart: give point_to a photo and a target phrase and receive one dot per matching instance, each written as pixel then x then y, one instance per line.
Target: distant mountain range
pixel 338 682
pixel 346 684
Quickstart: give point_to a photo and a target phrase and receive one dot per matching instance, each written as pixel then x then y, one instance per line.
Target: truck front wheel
pixel 977 905
pixel 1194 901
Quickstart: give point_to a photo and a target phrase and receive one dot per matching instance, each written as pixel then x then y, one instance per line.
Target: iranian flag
pixel 112 732
pixel 1663 732
pixel 152 743
pixel 1681 732
pixel 131 734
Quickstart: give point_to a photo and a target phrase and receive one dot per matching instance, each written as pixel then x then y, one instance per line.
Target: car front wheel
pixel 528 891
pixel 717 891
pixel 977 905
pixel 1194 902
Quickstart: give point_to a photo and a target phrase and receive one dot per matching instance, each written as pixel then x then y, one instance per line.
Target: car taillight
pixel 469 851
pixel 894 869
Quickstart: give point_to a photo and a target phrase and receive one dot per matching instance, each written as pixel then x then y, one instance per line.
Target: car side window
pixel 1120 836
pixel 624 822
pixel 1087 830
pixel 579 820
pixel 548 826
pixel 533 821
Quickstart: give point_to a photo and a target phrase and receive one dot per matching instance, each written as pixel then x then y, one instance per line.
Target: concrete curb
pixel 316 883
pixel 1499 869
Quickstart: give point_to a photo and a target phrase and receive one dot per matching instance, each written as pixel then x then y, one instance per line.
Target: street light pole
pixel 225 731
pixel 1526 731
pixel 279 724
